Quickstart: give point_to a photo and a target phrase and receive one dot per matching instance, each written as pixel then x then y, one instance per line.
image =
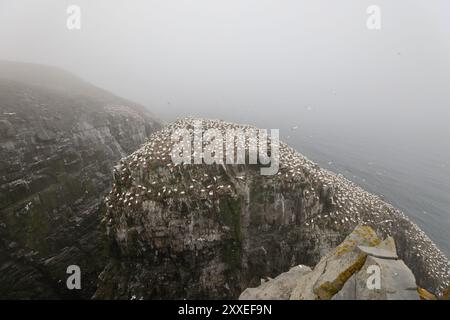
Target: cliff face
pixel 59 139
pixel 210 231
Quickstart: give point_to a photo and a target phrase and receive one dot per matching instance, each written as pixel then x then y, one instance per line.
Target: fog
pixel 359 96
pixel 249 59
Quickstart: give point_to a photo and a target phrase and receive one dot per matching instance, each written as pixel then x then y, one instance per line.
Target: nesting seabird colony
pixel 349 205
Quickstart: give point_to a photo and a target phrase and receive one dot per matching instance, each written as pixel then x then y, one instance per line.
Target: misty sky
pixel 271 63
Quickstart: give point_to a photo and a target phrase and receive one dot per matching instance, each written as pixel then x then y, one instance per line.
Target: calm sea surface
pixel 415 181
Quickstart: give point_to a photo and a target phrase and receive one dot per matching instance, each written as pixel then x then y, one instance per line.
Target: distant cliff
pixel 59 139
pixel 210 231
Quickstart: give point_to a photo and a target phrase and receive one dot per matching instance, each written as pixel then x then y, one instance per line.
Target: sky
pixel 246 59
pixel 271 63
pixel 361 95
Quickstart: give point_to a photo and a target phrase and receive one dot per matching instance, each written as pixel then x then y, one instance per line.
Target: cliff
pixel 211 231
pixel 59 139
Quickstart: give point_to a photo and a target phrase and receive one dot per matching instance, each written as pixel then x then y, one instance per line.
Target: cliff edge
pixel 59 139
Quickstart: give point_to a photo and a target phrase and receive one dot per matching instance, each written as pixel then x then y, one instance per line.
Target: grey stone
pixel 379 253
pixel 348 291
pixel 396 279
pixel 53 176
pixel 279 288
pixel 6 129
pixel 396 282
pixel 335 268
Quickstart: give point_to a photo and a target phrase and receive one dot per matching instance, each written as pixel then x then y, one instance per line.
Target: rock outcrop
pixel 59 139
pixel 360 268
pixel 446 294
pixel 336 267
pixel 211 231
pixel 279 288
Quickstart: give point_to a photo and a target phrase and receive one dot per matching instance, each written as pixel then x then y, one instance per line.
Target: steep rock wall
pixel 58 144
pixel 210 231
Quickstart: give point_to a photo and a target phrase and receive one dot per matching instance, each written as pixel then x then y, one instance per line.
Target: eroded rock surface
pixel 279 288
pixel 396 281
pixel 59 140
pixel 346 273
pixel 336 267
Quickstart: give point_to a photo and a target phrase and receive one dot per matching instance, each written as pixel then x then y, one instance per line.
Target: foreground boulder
pixel 279 288
pixel 446 294
pixel 348 272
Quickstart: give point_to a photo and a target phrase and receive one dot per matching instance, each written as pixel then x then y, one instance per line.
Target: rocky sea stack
pixel 211 231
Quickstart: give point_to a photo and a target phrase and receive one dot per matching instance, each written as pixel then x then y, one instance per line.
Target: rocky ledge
pixel 211 231
pixel 361 268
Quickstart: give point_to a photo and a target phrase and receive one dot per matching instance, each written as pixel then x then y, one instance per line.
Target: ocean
pixel 410 177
